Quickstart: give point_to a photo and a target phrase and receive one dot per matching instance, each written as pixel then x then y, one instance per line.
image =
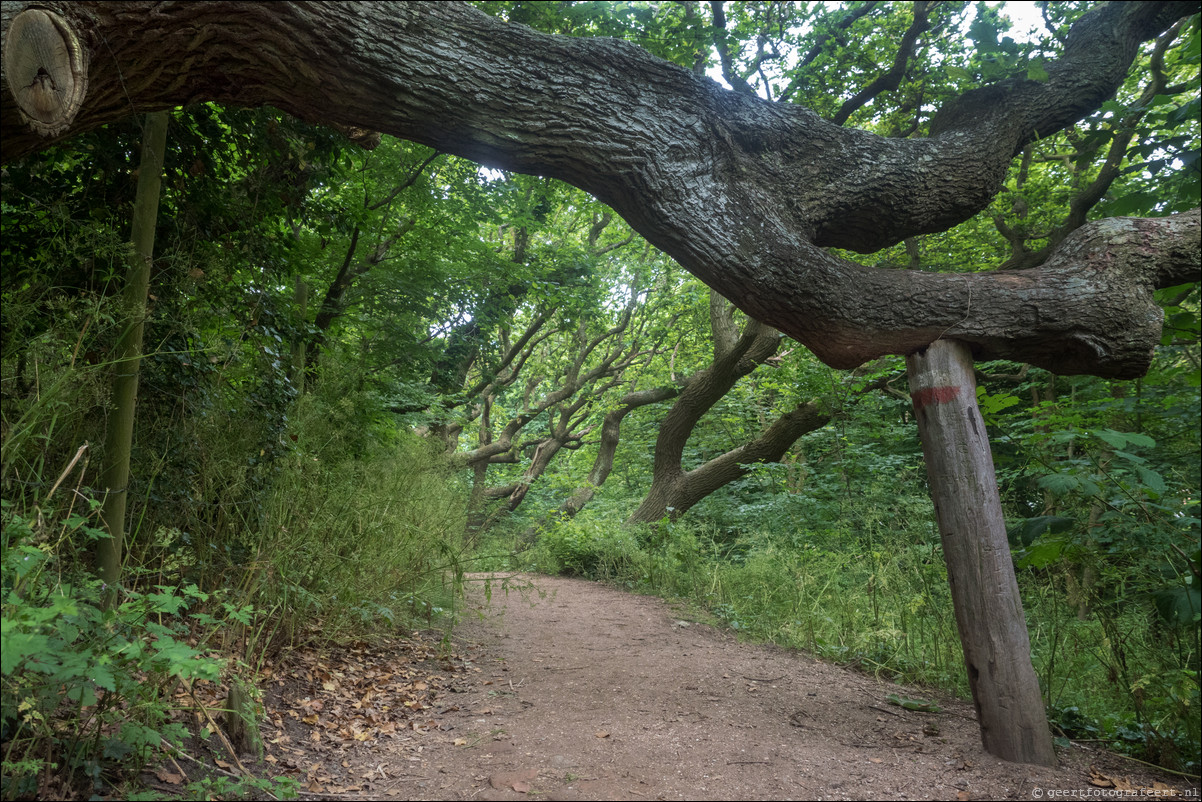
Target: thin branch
pixel 891 79
pixel 408 182
pixel 735 80
pixel 820 42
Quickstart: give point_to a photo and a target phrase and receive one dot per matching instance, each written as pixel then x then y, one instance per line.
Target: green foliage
pixel 1108 564
pixel 586 546
pixel 669 30
pixel 218 787
pixel 86 690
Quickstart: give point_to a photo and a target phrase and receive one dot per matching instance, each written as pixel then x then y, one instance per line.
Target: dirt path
pixel 581 691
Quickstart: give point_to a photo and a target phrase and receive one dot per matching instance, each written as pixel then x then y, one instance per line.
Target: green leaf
pixel 1178 606
pixel 102 677
pixel 1134 203
pixel 1153 480
pixel 1185 113
pixel 993 404
pixel 983 32
pixel 1137 439
pixel 82 695
pixel 24 560
pixel 921 705
pixel 1025 532
pixel 1043 553
pixel 167 603
pixel 1059 483
pixel 959 74
pixel 15 646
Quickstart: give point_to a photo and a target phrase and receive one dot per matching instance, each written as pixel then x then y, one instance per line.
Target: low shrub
pixel 88 686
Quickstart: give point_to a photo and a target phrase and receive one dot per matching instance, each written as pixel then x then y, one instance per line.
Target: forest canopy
pixel 615 289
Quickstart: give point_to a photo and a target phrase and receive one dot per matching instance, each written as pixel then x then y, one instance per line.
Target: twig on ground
pixel 224 740
pixel 1158 768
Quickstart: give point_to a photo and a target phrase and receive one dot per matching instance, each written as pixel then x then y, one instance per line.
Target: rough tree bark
pixel 742 192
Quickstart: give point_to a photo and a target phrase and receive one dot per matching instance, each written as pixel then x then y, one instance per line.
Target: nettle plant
pixel 88 687
pixel 1107 517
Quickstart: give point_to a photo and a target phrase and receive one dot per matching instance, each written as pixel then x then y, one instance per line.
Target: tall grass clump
pixel 588 545
pixel 90 679
pixel 885 608
pixel 358 532
pixel 254 519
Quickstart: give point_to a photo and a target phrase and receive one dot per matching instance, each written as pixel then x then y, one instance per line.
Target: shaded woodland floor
pixel 574 690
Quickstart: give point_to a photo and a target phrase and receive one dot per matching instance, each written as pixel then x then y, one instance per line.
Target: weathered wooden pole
pixel 989 613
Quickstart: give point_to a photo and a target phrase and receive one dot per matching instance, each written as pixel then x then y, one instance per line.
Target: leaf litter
pixel 324 707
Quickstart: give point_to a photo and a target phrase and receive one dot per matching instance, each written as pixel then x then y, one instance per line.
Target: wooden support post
pixel 989 613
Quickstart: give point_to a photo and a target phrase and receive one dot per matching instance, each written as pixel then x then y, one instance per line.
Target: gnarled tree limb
pixel 742 192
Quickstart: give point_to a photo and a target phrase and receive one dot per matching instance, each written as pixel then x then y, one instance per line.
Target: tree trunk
pixel 127 356
pixel 673 491
pixel 676 497
pixel 989 613
pixel 603 464
pixel 300 341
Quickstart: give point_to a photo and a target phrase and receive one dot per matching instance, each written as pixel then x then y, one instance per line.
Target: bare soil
pixel 574 690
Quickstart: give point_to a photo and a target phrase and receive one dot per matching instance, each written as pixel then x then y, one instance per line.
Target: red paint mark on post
pixel 934 395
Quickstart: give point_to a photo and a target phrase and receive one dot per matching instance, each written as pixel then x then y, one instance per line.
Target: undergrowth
pixel 344 532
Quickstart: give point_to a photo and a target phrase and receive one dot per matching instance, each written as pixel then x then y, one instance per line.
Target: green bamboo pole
pixel 114 475
pixel 299 343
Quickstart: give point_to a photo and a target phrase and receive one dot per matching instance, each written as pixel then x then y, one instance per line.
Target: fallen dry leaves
pixel 321 703
pixel 366 691
pixel 1157 789
pixel 519 780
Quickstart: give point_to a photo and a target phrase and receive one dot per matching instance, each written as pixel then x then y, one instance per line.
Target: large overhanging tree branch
pixel 1078 160
pixel 742 192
